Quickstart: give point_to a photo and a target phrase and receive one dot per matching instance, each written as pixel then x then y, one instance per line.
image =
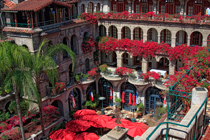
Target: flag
pixel 111 92
pixel 73 99
pixel 164 102
pixel 137 98
pixel 91 95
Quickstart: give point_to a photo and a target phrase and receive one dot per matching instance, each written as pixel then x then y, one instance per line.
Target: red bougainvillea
pixel 93 72
pixel 5 126
pixel 123 70
pixel 50 110
pixel 59 86
pixel 15 120
pixel 152 74
pixel 88 44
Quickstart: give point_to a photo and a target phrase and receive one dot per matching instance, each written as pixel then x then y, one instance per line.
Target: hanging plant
pixel 123 70
pixel 88 44
pixel 93 72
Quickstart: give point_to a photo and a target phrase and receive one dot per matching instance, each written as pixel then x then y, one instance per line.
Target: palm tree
pixel 43 62
pixel 16 67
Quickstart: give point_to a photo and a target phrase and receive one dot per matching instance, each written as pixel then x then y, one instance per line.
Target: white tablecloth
pixel 162 72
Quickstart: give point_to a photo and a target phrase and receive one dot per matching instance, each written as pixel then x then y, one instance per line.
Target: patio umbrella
pixel 134 100
pixel 111 124
pixel 124 123
pixel 137 129
pixel 83 112
pixel 68 135
pixel 86 136
pixel 123 97
pixel 100 120
pixel 77 125
pixel 55 134
pixel 130 102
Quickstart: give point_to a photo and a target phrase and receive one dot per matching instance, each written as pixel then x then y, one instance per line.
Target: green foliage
pixel 4 137
pixel 71 113
pixel 23 105
pixel 140 107
pixel 118 100
pixel 95 100
pixel 78 77
pixel 35 120
pixel 159 111
pixel 103 67
pixel 59 126
pixel 4 116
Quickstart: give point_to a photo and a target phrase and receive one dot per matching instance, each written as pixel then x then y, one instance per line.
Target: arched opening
pixel 104 91
pixel 114 59
pixel 113 31
pixel 137 34
pixel 85 35
pixel 90 7
pixel 59 105
pixel 152 97
pixel 65 53
pixel 125 58
pixel 91 88
pixel 74 100
pixel 74 44
pixel 163 64
pixel 98 7
pixel 82 8
pixel 127 88
pixel 152 35
pixel 126 33
pixel 102 30
pixel 87 65
pixel 7 106
pixel 196 39
pixel 181 38
pixel 165 36
pixel 71 75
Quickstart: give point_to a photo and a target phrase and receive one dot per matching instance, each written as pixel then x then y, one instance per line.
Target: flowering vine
pixel 123 70
pixel 50 109
pixel 88 44
pixel 93 72
pixel 152 74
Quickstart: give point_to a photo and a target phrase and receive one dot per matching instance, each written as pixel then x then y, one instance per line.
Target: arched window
pixel 65 54
pixel 163 63
pixel 87 65
pixel 196 39
pixel 102 30
pixel 90 7
pixel 165 36
pixel 98 7
pixel 152 35
pixel 82 8
pixel 113 31
pixel 138 34
pixel 126 33
pixel 74 44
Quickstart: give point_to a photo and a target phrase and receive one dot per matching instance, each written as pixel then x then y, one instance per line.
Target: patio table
pixel 162 72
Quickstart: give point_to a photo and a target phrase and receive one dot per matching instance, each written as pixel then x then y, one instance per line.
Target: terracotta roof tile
pixel 9 3
pixel 25 30
pixel 72 1
pixel 34 5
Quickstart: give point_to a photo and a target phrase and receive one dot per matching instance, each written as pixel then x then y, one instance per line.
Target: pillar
pixel 119 36
pixel 172 67
pixel 205 39
pixel 173 39
pixel 107 32
pixel 119 59
pixel 144 37
pixel 144 65
pixel 188 40
pixel 94 9
pixel 131 35
pixel 158 38
pixel 32 21
pixel 198 95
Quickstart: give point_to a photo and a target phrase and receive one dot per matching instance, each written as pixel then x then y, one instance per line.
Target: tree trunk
pixel 19 113
pixel 40 106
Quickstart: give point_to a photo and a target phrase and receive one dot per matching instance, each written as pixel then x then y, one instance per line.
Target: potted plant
pixel 140 109
pixel 91 104
pixel 93 72
pixel 59 87
pixel 118 100
pixel 103 68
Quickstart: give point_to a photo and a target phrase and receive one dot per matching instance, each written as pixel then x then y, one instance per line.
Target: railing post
pixel 195 127
pixel 204 120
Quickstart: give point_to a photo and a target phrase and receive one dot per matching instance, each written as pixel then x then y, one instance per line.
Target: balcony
pixel 110 75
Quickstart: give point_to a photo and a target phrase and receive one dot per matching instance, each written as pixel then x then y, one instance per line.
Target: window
pixel 125 58
pixel 90 7
pixel 82 8
pixel 127 32
pixel 144 8
pixel 190 10
pixel 150 8
pixel 177 10
pixel 137 9
pixel 144 0
pixel 196 38
pixel 113 32
pixel 114 8
pixel 198 1
pixel 163 63
pixel 137 60
pixel 165 36
pixel 149 37
pixel 98 7
pixel 169 1
pixel 126 7
pixel 138 34
pixel 162 9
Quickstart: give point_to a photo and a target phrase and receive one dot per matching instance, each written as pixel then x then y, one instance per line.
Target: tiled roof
pixel 72 1
pixel 34 5
pixel 25 30
pixel 9 3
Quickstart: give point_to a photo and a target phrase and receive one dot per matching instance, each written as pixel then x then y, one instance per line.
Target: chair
pixel 165 76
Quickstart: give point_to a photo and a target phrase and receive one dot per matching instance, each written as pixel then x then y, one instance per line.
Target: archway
pixel 59 105
pixel 137 34
pixel 82 8
pixel 65 53
pixel 152 97
pixel 196 39
pixel 98 7
pixel 104 91
pixel 74 44
pixel 165 36
pixel 181 37
pixel 163 64
pixel 152 35
pixel 127 88
pixel 126 33
pixel 7 106
pixel 71 75
pixel 74 100
pixel 113 31
pixel 102 30
pixel 87 65
pixel 91 88
pixel 90 7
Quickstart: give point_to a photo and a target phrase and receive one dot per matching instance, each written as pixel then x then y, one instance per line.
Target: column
pixel 188 40
pixel 144 37
pixel 158 38
pixel 154 6
pixel 144 65
pixel 119 59
pixel 131 35
pixel 204 43
pixel 119 36
pixel 171 67
pixel 32 21
pixel 173 39
pixel 85 9
pixel 129 6
pixel 94 10
pixel 15 20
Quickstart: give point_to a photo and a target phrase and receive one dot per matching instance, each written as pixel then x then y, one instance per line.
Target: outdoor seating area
pixel 89 125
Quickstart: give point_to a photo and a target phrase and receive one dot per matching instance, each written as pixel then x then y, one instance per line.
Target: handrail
pixel 195 116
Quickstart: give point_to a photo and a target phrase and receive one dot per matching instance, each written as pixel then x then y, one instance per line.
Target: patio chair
pixel 165 76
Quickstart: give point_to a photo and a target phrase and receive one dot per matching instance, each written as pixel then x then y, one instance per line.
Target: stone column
pixel 119 59
pixel 199 94
pixel 204 41
pixel 158 38
pixel 173 39
pixel 107 33
pixel 171 67
pixel 119 36
pixel 144 65
pixel 131 35
pixel 188 40
pixel 144 37
pixel 94 10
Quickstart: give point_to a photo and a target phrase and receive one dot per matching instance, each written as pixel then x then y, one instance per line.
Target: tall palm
pixel 16 67
pixel 43 62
